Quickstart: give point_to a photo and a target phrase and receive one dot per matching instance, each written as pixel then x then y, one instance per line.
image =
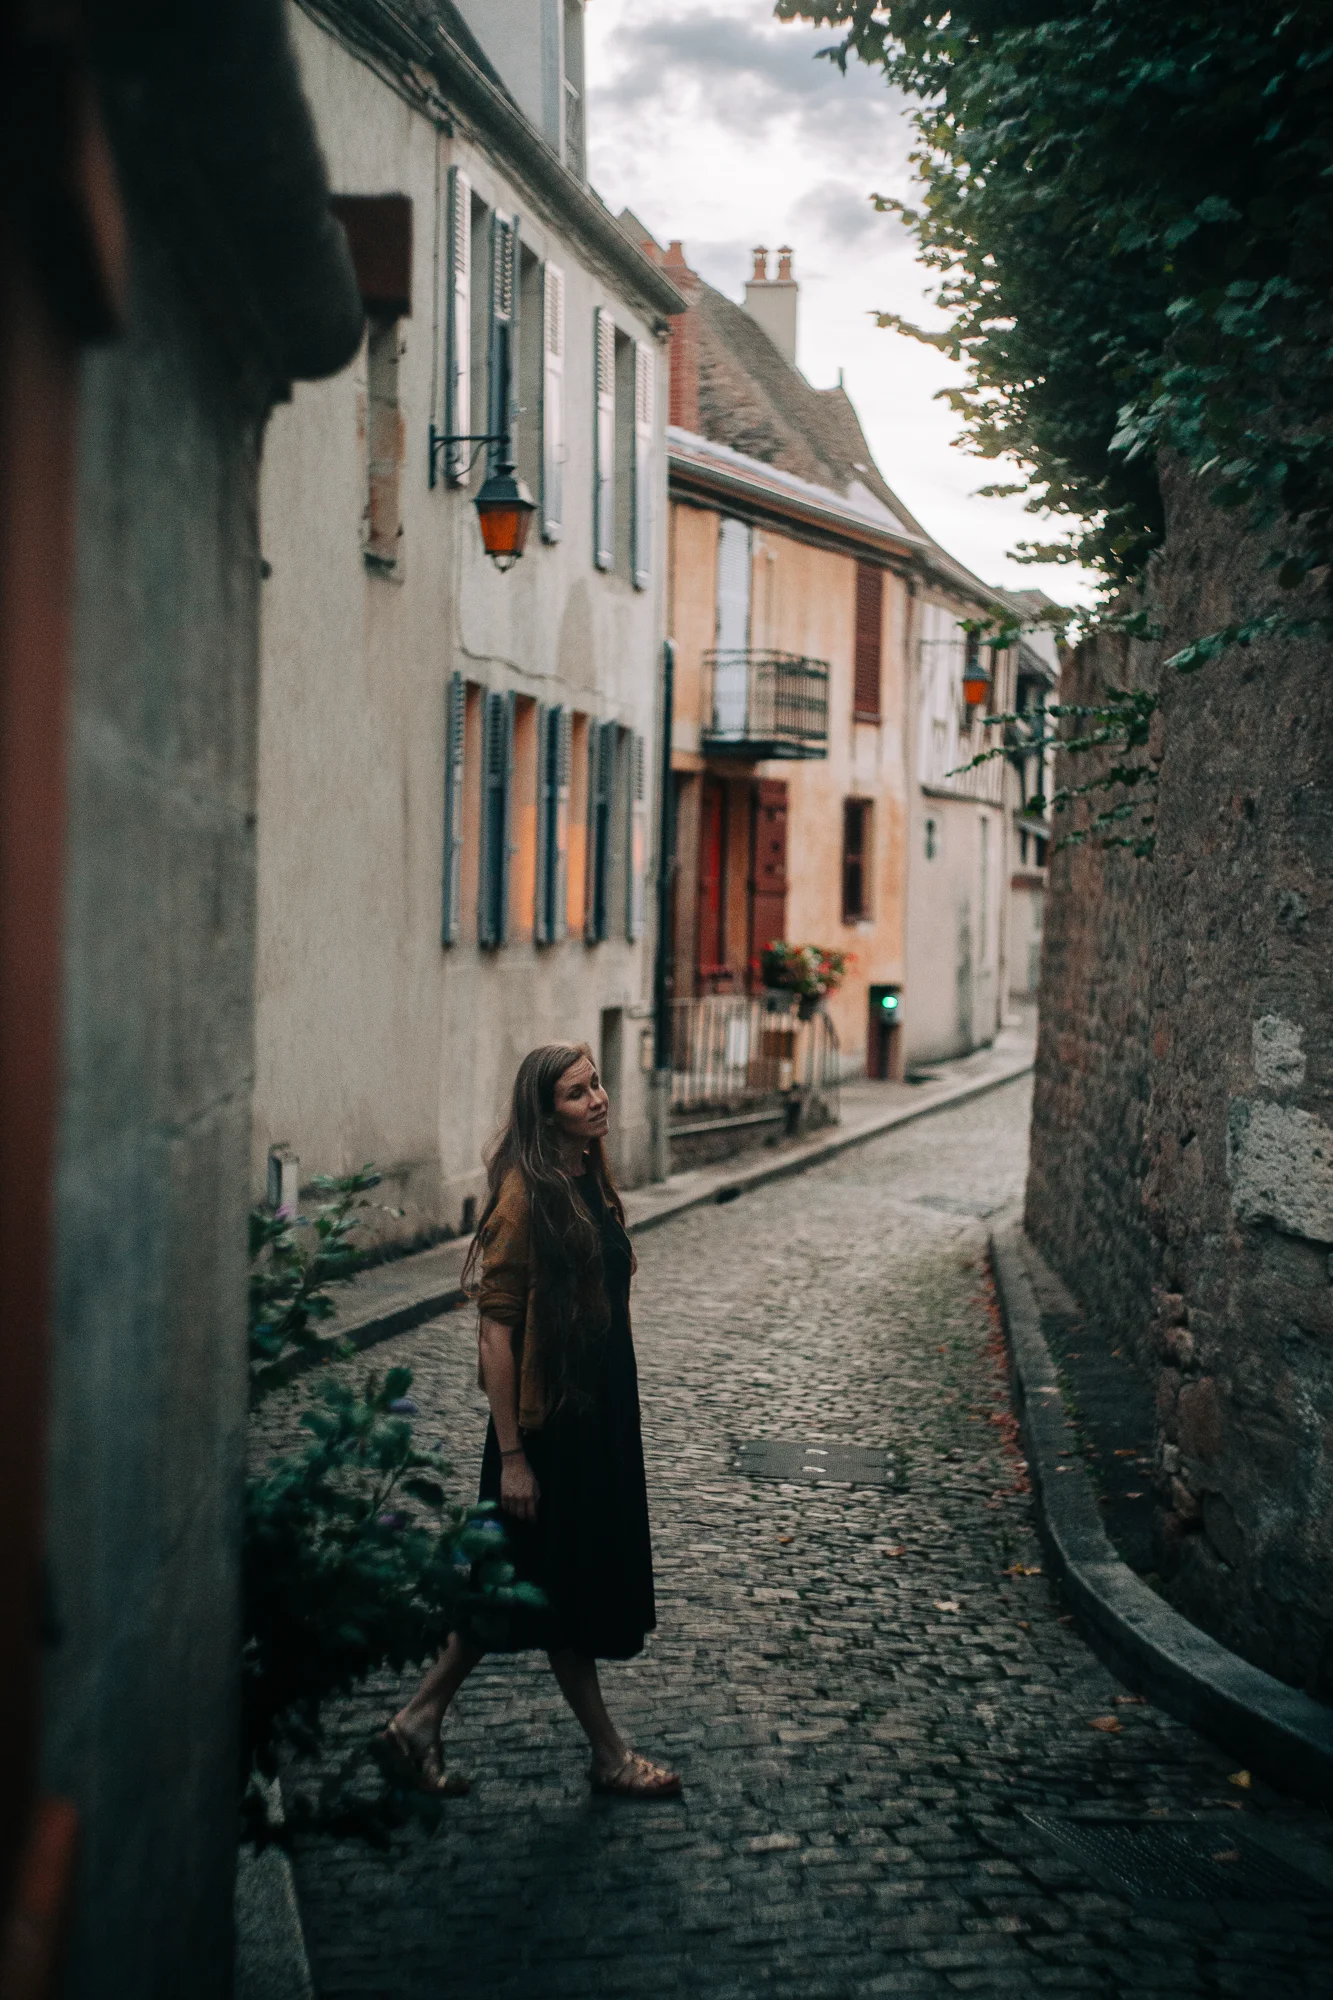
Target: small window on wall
pixel 856 823
pixel 932 839
pixel 383 521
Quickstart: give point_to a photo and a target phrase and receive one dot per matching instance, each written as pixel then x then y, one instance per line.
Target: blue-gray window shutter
pixel 637 820
pixel 455 726
pixel 553 403
pixel 497 765
pixel 458 327
pixel 564 725
pixel 604 440
pixel 644 397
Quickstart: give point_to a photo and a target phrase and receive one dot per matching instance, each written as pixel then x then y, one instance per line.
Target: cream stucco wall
pixel 374 1041
pixel 959 855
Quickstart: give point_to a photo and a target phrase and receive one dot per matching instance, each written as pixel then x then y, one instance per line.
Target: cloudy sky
pixel 717 124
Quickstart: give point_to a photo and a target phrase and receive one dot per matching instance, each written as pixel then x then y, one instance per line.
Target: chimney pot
pixel 784 263
pixel 760 274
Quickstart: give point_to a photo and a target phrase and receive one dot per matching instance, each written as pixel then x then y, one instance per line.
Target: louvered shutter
pixel 869 642
pixel 458 327
pixel 644 380
pixel 563 723
pixel 636 883
pixel 502 412
pixel 497 764
pixel 541 916
pixel 604 441
pixel 455 720
pixel 553 403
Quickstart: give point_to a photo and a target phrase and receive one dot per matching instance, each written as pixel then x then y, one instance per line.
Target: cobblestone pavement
pixel 860 1698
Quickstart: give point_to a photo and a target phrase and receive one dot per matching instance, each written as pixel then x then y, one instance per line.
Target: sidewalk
pixel 392 1298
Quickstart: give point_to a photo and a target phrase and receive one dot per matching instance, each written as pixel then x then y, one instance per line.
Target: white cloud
pixel 721 126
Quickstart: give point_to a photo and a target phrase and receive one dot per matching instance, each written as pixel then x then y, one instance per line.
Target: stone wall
pixel 1182 1165
pixel 1084 1194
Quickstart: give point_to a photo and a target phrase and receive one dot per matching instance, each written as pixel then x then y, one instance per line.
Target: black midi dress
pixel 589 1548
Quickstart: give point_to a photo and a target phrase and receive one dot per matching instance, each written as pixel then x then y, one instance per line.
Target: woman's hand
pixel 519 1491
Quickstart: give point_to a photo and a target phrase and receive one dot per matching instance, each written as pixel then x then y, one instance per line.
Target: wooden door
pixel 768 866
pixel 711 963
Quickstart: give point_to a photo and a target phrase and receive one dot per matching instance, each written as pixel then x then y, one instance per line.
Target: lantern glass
pixel 976 686
pixel 505 509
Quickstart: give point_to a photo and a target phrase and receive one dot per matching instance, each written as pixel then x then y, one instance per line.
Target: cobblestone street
pixel 860 1698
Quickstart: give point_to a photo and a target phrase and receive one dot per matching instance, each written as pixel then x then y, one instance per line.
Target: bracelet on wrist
pixel 517 1452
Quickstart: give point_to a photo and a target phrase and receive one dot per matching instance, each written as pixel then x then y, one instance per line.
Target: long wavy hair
pixel 571 1313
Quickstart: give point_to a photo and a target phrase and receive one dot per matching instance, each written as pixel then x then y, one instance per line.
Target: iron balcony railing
pixel 731 1053
pixel 762 705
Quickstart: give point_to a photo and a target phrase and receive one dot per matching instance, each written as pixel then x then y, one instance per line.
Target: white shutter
pixel 604 441
pixel 455 720
pixel 553 403
pixel 731 668
pixel 636 886
pixel 458 326
pixel 497 764
pixel 502 410
pixel 644 383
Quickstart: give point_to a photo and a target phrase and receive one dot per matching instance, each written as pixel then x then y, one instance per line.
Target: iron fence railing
pixel 765 705
pixel 733 1054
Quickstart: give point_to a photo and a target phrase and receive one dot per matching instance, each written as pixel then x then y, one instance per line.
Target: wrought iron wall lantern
pixel 977 682
pixel 504 505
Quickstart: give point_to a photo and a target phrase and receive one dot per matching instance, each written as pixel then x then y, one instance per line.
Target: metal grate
pixel 1197 1861
pixel 813 1464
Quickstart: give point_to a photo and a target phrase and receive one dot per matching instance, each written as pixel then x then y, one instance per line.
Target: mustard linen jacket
pixel 506 1293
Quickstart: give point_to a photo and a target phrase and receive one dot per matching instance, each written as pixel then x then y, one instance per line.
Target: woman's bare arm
pixel 519 1492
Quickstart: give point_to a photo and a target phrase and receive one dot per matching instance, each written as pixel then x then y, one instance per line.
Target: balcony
pixel 765 705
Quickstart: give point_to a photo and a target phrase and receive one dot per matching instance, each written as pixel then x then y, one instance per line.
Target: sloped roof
pixel 756 403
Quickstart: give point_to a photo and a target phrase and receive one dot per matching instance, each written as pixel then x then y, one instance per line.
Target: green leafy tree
pixel 1129 209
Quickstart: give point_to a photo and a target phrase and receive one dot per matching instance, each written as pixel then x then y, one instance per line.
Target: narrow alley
pixel 866 1686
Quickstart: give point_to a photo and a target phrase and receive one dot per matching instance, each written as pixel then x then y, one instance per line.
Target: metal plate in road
pixel 1192 1862
pixel 812 1464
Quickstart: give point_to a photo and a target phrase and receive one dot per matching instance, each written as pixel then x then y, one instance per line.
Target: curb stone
pixel 646 1208
pixel 271 1958
pixel 1273 1728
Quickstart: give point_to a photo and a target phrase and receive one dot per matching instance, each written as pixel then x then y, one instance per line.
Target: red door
pixel 768 866
pixel 712 956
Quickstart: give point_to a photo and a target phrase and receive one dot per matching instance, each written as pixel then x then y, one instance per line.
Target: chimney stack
pixel 772 301
pixel 683 407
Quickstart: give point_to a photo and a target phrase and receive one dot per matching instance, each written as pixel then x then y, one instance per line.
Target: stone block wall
pixel 1182 1162
pixel 1084 1195
pixel 1239 1188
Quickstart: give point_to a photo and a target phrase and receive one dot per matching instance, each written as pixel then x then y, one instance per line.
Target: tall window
pixel 604 440
pixel 869 642
pixel 856 823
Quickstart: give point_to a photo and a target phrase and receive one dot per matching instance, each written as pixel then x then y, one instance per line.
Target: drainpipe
pixel 661 1084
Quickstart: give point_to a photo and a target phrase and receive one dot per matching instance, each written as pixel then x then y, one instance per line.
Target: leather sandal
pixel 634 1777
pixel 414 1769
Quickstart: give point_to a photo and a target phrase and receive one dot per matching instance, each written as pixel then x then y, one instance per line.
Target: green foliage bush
pixel 353 1559
pixel 1129 209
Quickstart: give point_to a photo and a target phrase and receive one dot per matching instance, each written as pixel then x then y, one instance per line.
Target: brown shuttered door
pixel 768 876
pixel 869 639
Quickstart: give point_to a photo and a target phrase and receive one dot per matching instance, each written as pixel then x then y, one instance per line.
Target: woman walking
pixel 563 1455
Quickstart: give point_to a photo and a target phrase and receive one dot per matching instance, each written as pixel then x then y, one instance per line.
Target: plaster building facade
pixel 455 763
pixel 182 269
pixel 819 712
